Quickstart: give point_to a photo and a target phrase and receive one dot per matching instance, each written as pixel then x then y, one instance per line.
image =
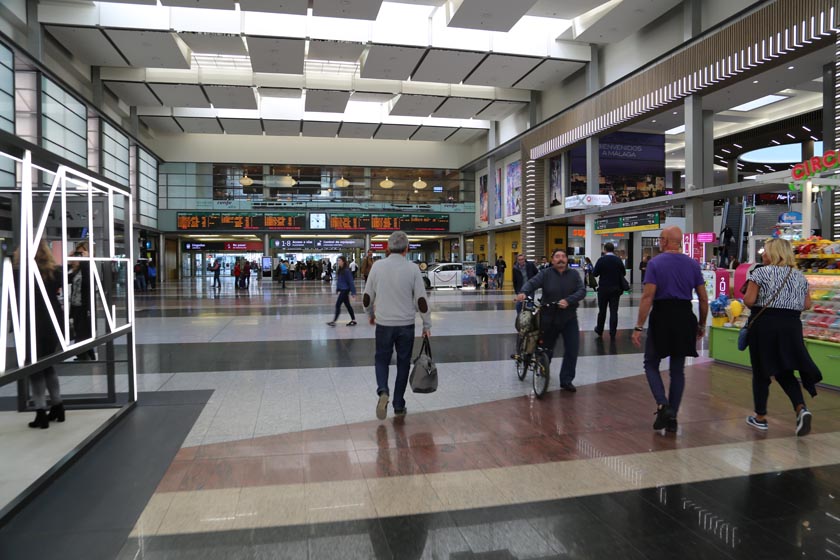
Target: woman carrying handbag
pixel 777 293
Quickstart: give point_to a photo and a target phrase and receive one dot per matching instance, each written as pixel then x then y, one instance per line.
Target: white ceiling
pixel 418 69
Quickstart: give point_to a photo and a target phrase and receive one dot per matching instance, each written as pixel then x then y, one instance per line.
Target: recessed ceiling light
pixel 776 142
pixel 654 120
pixel 814 138
pixel 791 67
pixel 806 128
pixel 739 146
pixel 755 81
pixel 791 136
pixel 757 103
pixel 725 150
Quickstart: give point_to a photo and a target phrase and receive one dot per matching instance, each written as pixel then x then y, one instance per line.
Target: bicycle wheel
pixel 522 360
pixel 540 367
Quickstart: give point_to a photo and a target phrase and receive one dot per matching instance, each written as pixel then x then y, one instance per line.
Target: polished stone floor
pixel 256 438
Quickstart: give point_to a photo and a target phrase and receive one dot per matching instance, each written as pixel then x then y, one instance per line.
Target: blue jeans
pixel 388 339
pixel 654 378
pixel 554 325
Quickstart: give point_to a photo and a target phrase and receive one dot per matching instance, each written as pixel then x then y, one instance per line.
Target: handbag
pixel 744 333
pixel 423 377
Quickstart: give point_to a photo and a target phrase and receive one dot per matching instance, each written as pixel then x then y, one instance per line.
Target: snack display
pixel 822 321
pixel 817 255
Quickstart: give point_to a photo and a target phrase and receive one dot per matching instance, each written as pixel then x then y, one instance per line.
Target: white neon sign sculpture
pixel 16 307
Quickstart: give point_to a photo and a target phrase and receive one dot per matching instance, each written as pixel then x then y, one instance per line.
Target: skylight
pixel 757 103
pixel 676 130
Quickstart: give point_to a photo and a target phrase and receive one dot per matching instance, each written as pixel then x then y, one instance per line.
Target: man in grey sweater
pixel 394 293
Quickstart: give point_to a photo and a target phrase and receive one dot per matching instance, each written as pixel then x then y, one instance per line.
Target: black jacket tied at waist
pixel 673 327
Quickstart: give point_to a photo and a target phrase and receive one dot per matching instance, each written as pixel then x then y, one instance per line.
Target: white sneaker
pixel 803 422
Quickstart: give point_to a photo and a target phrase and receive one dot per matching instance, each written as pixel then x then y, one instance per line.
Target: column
pixel 266 246
pixel 732 171
pixel 367 243
pixel 34 39
pixel 593 186
pixel 97 89
pixel 491 247
pixel 831 199
pixel 532 233
pixel 461 247
pixel 161 258
pixel 491 192
pixel 808 221
pixel 699 170
pixel 692 19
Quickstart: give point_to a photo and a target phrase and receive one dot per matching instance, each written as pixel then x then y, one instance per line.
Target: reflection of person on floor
pixel 673 329
pixel 394 293
pixel 563 285
pixel 345 286
pixel 79 281
pixel 46 339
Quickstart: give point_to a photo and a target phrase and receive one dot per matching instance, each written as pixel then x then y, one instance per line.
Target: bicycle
pixel 529 355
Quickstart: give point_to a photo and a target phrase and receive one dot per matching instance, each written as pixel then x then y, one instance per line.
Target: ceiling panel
pixel 498 110
pixel 415 105
pixel 448 67
pixel 143 2
pixel 208 4
pixel 339 51
pixel 371 97
pixel 231 97
pixel 88 44
pixel 136 94
pixel 489 15
pixel 208 43
pixel 464 135
pixel 563 9
pixel 296 7
pixel 180 95
pixel 282 128
pixel 150 49
pixel 461 108
pixel 499 70
pixel 622 21
pixel 353 9
pixel 326 101
pixel 433 133
pixel 395 132
pixel 242 126
pixel 357 130
pixel 200 125
pixel 549 74
pixel 162 124
pixel 280 93
pixel 277 56
pixel 390 63
pixel 320 129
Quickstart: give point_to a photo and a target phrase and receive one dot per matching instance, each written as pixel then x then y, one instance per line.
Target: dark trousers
pixel 788 383
pixel 387 340
pixel 553 326
pixel 608 298
pixel 81 326
pixel 283 280
pixel 344 298
pixel 217 281
pixel 654 378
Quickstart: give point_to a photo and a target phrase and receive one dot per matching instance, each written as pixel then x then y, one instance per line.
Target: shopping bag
pixel 743 340
pixel 423 377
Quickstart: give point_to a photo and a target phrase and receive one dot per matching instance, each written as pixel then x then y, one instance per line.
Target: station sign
pixel 320 244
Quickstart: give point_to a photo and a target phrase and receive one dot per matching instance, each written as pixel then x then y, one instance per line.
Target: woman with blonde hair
pixel 46 339
pixel 777 293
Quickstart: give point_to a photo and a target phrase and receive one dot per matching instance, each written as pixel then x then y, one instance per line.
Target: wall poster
pixel 499 193
pixel 555 181
pixel 513 190
pixel 483 198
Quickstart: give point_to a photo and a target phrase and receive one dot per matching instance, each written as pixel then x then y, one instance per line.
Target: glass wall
pixel 114 154
pixel 147 192
pixel 7 90
pixel 63 123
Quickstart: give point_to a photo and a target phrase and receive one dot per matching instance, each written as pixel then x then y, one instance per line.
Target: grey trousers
pixel 40 383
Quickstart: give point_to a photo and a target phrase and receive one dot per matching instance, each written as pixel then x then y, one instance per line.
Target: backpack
pixel 137 268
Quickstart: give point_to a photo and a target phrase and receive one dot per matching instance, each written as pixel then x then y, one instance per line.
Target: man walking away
pixel 217 272
pixel 367 264
pixel 564 287
pixel 673 329
pixel 522 272
pixel 394 292
pixel 610 272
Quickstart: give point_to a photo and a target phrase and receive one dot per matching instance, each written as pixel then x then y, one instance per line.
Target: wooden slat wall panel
pixel 689 71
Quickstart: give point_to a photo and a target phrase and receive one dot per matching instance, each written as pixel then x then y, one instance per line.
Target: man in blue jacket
pixel 610 272
pixel 564 287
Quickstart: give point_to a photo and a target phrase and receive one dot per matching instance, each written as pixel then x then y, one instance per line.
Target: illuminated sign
pixel 633 222
pixel 241 221
pixel 349 222
pixel 320 244
pixel 706 237
pixel 409 222
pixel 803 172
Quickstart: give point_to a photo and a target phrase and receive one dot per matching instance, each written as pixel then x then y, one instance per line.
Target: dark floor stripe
pixel 89 511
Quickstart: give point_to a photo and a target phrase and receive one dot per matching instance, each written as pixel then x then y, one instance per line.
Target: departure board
pixel 633 222
pixel 241 221
pixel 349 222
pixel 285 221
pixel 409 222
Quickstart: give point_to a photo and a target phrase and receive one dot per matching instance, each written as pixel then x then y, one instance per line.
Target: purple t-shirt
pixel 674 274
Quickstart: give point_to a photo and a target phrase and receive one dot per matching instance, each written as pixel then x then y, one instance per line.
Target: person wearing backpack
pixel 284 273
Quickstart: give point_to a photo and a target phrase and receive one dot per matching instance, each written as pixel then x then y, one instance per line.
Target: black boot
pixel 41 420
pixel 56 412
